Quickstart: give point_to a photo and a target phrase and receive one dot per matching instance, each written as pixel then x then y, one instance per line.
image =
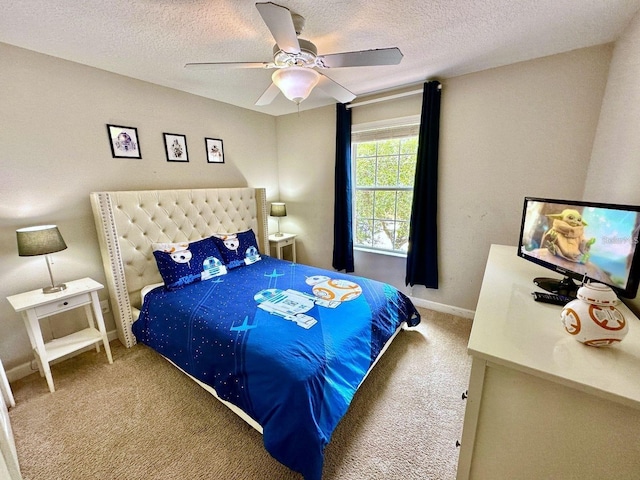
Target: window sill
pixel 381 252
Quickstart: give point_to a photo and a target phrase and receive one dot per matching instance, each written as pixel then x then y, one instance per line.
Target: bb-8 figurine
pixel 593 318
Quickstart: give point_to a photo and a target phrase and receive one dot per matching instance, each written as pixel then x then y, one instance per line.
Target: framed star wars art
pixel 214 150
pixel 175 146
pixel 124 141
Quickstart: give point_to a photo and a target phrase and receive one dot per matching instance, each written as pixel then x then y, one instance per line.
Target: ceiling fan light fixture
pixel 295 83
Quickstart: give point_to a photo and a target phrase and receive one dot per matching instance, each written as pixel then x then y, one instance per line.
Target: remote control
pixel 553 298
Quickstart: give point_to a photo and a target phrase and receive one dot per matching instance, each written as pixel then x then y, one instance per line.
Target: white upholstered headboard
pixel 129 222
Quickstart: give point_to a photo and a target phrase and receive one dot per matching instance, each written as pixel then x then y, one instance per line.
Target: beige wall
pixel 617 141
pixel 54 152
pixel 614 171
pixel 523 129
pixel 306 154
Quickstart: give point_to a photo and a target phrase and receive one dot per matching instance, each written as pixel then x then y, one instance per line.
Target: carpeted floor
pixel 141 418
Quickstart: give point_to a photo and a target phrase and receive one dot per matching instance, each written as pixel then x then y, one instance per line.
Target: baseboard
pixel 26 369
pixel 442 308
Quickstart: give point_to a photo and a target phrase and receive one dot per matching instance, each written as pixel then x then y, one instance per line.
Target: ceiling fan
pixel 296 60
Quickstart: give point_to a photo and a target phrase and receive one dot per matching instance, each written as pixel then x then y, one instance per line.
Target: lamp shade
pixel 278 209
pixel 295 83
pixel 40 240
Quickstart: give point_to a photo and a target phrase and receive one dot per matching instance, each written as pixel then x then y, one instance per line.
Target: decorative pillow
pixel 238 248
pixel 183 263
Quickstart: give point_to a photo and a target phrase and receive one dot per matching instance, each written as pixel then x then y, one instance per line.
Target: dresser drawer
pixel 288 241
pixel 62 305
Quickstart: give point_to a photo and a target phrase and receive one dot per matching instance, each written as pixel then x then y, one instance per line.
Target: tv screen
pixel 585 241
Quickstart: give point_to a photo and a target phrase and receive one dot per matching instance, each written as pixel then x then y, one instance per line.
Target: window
pixel 384 162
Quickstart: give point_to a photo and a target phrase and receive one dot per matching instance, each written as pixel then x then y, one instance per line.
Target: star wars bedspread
pixel 287 343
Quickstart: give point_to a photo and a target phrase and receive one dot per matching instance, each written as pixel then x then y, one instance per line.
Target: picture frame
pixel 175 146
pixel 124 141
pixel 215 152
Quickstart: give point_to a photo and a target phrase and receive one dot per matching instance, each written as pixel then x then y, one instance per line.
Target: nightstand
pixel 279 242
pixel 35 305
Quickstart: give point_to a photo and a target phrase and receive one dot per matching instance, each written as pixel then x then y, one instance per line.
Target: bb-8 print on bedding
pixel 337 290
pixel 232 243
pixel 179 253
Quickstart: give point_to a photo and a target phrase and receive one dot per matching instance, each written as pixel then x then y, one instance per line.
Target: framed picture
pixel 215 154
pixel 175 146
pixel 124 141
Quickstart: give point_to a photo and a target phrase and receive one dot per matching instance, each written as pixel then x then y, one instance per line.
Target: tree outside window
pixel 384 176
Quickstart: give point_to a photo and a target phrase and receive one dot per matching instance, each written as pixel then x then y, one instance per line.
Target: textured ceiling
pixel 151 40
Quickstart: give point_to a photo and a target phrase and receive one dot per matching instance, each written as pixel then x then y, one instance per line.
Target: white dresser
pixel 540 404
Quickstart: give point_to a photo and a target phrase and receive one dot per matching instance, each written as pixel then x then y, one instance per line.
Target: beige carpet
pixel 141 418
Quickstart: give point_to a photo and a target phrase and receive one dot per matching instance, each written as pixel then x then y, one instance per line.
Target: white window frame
pixel 376 131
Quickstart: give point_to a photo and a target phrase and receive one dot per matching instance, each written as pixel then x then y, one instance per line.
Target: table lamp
pixel 41 240
pixel 278 209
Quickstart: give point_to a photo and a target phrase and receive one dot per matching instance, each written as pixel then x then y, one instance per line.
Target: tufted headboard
pixel 129 222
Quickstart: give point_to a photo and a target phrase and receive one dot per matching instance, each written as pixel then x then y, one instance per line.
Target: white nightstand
pixel 35 305
pixel 282 241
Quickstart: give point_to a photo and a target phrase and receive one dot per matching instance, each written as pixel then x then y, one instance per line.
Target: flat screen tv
pixel 584 241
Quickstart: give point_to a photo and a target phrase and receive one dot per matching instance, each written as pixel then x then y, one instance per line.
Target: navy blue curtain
pixel 422 256
pixel 342 227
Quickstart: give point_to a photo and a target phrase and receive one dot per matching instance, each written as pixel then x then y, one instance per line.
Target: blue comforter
pixel 287 343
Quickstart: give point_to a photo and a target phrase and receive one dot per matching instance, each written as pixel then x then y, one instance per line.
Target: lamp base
pixel 54 288
pixel 278 234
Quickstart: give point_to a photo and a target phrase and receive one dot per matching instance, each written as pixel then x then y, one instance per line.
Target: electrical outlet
pixel 104 306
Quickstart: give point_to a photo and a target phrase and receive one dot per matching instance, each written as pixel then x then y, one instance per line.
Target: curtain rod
pixel 389 97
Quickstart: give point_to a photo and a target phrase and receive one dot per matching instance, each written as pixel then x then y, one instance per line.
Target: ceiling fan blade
pixel 269 95
pixel 334 89
pixel 280 23
pixel 362 58
pixel 214 65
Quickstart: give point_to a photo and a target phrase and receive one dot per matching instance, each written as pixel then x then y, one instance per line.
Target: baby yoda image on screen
pixel 566 236
pixel 591 241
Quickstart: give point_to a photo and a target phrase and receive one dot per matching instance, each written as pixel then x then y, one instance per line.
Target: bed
pixel 284 345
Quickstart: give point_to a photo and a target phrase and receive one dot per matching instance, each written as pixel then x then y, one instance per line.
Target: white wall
pixel 54 151
pixel 614 171
pixel 523 129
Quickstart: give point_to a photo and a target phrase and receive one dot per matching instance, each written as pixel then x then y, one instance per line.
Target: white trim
pixel 389 123
pixel 390 253
pixel 442 308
